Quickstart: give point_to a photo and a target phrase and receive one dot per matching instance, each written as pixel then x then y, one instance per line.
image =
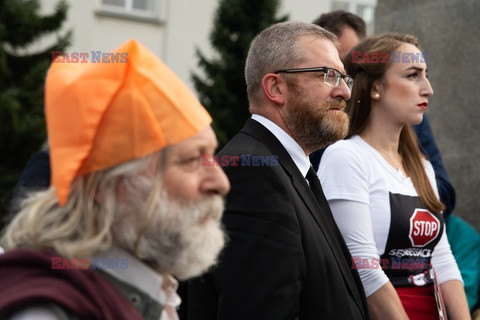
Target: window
pixel 131 5
pixel 340 5
pixel 363 8
pixel 145 10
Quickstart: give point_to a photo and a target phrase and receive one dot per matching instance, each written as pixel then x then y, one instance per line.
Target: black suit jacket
pixel 284 259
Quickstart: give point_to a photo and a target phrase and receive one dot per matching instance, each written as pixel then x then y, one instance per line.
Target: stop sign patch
pixel 424 227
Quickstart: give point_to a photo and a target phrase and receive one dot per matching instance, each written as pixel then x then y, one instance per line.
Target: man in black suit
pixel 286 258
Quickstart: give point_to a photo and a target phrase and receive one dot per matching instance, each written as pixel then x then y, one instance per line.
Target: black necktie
pixel 315 186
pixel 318 193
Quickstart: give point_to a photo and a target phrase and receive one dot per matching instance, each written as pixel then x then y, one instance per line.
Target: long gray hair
pixel 83 226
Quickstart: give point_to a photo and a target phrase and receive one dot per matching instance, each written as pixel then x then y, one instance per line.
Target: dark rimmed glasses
pixel 331 76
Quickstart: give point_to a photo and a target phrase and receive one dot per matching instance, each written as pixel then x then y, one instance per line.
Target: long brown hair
pixel 365 73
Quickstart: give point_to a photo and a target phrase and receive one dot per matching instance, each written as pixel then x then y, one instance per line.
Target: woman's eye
pixel 413 75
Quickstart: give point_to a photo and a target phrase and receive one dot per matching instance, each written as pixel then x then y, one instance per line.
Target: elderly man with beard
pixel 286 258
pixel 130 206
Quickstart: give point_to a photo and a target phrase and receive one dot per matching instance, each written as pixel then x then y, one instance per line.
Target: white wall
pixel 92 31
pixel 305 10
pixel 188 26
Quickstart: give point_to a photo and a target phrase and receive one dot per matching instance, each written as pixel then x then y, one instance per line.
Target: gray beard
pixel 183 240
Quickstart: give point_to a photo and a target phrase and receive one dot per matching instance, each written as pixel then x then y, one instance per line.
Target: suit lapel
pixel 261 133
pixel 319 211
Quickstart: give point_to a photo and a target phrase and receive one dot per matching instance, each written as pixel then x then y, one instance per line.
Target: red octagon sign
pixel 424 228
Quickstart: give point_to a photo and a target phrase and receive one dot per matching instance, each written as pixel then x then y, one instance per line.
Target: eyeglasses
pixel 331 76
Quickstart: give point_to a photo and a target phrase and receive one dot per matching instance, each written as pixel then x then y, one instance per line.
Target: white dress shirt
pixel 293 148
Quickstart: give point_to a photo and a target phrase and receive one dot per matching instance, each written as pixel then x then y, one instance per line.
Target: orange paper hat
pixel 100 114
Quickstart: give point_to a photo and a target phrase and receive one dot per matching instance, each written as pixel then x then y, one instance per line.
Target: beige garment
pixel 160 287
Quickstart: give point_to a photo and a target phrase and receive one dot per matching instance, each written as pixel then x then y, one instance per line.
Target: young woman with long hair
pixel 382 191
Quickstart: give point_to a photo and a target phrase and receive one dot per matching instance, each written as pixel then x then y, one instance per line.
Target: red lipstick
pixel 423 105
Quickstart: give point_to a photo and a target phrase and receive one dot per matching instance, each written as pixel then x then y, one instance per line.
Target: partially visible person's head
pixel 348 27
pixel 391 86
pixel 182 201
pixel 300 101
pixel 126 142
pixel 279 46
pixel 368 72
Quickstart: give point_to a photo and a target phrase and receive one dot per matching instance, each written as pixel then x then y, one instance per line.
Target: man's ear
pixel 274 88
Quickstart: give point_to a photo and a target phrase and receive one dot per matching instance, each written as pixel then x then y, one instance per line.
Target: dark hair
pixel 335 20
pixel 365 73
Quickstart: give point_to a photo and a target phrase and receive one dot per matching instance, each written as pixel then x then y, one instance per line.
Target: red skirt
pixel 419 302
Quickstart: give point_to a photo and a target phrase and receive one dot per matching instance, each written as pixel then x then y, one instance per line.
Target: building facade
pixel 172 29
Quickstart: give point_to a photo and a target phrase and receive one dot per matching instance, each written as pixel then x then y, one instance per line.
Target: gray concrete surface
pixel 449 32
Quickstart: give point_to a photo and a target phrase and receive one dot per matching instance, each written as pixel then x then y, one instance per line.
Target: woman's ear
pixel 274 88
pixel 376 92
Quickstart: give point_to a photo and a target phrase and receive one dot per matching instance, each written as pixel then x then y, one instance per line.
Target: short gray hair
pixel 276 47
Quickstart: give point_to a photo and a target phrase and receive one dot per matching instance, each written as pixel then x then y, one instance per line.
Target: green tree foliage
pixel 221 86
pixel 22 79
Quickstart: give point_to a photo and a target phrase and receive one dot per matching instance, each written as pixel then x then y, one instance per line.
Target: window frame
pixel 128 12
pixel 353 8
